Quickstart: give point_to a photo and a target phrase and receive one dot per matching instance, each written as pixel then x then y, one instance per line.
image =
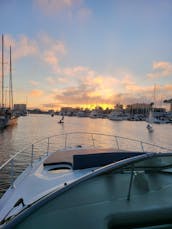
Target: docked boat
pixel 12 120
pixel 2 122
pixel 161 120
pixel 81 114
pixel 87 180
pixel 94 114
pixel 118 115
pixel 7 116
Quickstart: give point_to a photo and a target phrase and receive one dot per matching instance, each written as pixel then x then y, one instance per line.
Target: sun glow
pixel 94 106
pixel 56 107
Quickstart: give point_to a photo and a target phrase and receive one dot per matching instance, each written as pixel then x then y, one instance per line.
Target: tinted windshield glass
pixel 156 162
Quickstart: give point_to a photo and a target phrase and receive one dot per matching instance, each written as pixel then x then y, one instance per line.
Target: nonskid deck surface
pixel 37 181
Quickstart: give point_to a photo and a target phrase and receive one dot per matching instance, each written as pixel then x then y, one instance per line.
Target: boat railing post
pixel 12 173
pixel 32 155
pixel 48 145
pixel 141 143
pixel 116 138
pixel 93 140
pixel 65 141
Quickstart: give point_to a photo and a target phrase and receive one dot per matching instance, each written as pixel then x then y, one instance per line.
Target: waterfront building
pixel 139 108
pixel 20 109
pixel 69 111
pixel 170 102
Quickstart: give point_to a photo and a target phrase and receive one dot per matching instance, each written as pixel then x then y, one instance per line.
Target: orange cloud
pixel 51 58
pixel 54 6
pixel 71 8
pixel 33 83
pixel 22 47
pixel 80 84
pixel 76 71
pixel 161 69
pixel 44 48
pixel 53 50
pixel 36 93
pixel 168 87
pixel 51 44
pixel 84 14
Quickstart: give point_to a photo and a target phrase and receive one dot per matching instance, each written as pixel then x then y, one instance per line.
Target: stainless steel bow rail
pixel 13 167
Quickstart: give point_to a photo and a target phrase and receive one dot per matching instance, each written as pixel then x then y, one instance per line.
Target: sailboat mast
pixel 2 95
pixel 10 85
pixel 154 95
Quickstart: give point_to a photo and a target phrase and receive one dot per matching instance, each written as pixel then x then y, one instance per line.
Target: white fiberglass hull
pixel 104 202
pixel 88 187
pixel 12 121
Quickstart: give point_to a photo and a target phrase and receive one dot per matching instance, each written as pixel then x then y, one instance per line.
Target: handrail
pixel 78 132
pixel 45 142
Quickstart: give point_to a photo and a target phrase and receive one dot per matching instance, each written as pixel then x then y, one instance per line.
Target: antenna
pixel 154 95
pixel 2 95
pixel 10 84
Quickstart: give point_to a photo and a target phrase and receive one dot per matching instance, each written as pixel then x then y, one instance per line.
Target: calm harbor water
pixel 34 127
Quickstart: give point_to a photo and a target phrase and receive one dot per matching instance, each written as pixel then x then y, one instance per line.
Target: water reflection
pixel 33 127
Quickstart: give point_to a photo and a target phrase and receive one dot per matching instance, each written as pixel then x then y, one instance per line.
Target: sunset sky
pixel 88 52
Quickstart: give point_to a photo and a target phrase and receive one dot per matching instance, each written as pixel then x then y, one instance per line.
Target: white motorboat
pixel 87 180
pixel 117 115
pixel 150 128
pixel 81 114
pixel 150 121
pixel 94 114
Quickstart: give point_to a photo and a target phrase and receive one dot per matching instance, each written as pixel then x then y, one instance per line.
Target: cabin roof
pixel 87 158
pixel 66 156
